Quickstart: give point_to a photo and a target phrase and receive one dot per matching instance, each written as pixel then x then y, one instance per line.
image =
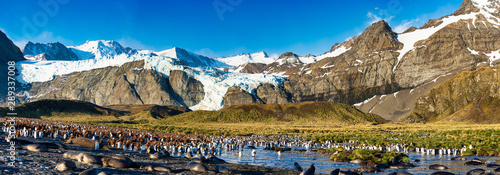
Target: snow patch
pixel 409 39
pixel 366 101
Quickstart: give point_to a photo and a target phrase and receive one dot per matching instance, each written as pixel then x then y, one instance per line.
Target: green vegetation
pixel 313 121
pixel 369 157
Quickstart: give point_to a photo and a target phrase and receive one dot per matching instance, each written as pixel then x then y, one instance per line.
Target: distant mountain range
pixel 379 71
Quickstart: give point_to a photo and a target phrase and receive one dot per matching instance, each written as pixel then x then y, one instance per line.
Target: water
pixel 323 164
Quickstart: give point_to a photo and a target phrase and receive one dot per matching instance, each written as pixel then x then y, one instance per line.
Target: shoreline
pixel 44 162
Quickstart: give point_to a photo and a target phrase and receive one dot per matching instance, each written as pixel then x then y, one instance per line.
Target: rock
pixel 400 173
pixel 464 97
pixel 442 173
pixel 268 93
pixel 368 169
pixel 458 158
pixel 378 37
pixel 382 166
pixel 187 90
pixel 251 68
pixel 236 96
pixel 356 161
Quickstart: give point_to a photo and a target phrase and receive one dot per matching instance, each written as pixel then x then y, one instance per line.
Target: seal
pixel 197 160
pixel 115 163
pixel 18 141
pixel 71 155
pixel 54 145
pixel 93 171
pixel 309 171
pixel 81 141
pixel 222 169
pixel 35 147
pixel 156 155
pixel 88 159
pixel 153 167
pixel 213 159
pixel 476 171
pixel 65 165
pixel 197 167
pixel 437 167
pixel 297 167
pixel 188 155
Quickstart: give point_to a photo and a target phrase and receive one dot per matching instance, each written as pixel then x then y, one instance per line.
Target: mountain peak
pixel 378 37
pixel 288 58
pixel 103 48
pixel 49 51
pixel 475 6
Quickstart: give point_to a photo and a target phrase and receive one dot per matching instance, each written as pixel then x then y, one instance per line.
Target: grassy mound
pixel 306 112
pixel 46 107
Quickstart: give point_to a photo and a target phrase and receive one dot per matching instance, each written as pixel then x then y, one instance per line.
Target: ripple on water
pixel 324 165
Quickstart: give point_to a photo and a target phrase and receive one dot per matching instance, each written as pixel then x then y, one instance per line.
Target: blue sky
pixel 211 27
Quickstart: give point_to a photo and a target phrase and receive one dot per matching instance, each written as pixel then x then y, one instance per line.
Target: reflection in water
pixel 324 165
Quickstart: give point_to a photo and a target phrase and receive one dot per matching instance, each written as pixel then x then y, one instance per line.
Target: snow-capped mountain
pixel 377 62
pixel 100 49
pixel 101 54
pixel 191 59
pixel 49 51
pixel 237 60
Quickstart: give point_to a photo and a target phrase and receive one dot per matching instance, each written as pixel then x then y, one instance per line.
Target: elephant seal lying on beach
pixel 93 171
pixel 197 167
pixel 65 165
pixel 116 162
pixel 89 159
pixel 35 147
pixel 153 167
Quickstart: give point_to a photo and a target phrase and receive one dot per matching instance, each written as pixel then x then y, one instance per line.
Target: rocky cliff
pixel 471 96
pixel 128 84
pixel 237 96
pixel 380 61
pixel 8 52
pixel 188 90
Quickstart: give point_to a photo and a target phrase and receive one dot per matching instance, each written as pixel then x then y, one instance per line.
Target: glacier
pixel 100 54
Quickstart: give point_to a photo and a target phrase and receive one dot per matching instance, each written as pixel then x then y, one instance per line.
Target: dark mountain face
pixel 49 51
pixel 8 52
